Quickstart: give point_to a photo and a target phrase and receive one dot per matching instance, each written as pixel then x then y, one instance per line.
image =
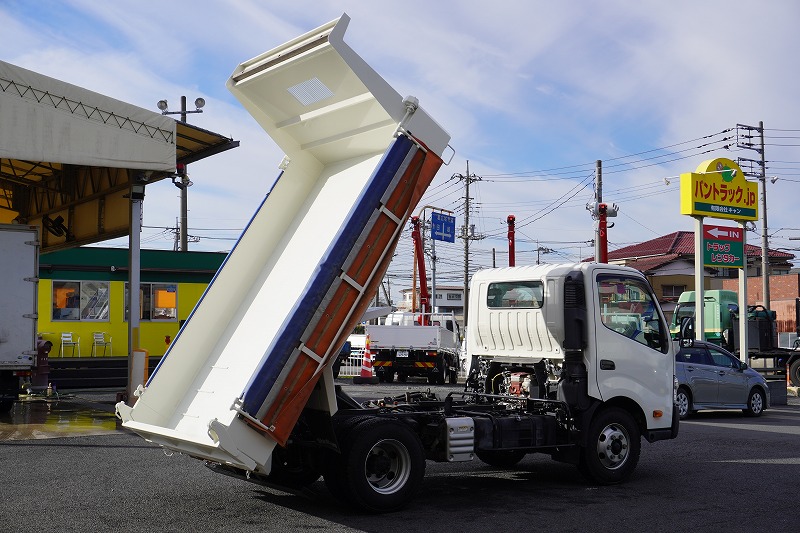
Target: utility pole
pixel 744 138
pixel 598 199
pixel 764 237
pixel 468 234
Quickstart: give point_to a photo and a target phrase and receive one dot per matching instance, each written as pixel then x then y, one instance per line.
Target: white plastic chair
pixel 67 341
pixel 99 341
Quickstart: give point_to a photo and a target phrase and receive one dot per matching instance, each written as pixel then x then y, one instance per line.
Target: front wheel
pixel 756 403
pixel 612 448
pixel 383 465
pixel 683 403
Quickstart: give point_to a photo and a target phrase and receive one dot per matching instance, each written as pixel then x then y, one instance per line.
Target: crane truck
pixel 421 343
pixel 247 385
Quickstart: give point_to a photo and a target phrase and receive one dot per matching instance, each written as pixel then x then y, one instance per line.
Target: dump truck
pixel 247 385
pixel 19 264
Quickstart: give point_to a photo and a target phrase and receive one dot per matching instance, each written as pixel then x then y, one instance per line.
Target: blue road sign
pixel 443 227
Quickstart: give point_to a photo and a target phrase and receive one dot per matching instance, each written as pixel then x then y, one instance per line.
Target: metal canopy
pixel 69 156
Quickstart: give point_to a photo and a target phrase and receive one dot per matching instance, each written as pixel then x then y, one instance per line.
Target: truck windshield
pixel 685 309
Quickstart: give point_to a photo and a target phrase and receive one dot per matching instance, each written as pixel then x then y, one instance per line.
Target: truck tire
pixel 9 390
pixel 452 377
pixel 5 406
pixel 383 463
pixel 333 471
pixel 291 469
pixel 500 458
pixel 436 377
pixel 612 447
pixel 794 373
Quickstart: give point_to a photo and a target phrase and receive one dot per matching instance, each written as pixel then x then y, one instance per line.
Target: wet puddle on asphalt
pixel 35 417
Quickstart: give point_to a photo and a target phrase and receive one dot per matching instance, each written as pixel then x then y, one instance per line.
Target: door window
pixel 627 307
pixel 723 359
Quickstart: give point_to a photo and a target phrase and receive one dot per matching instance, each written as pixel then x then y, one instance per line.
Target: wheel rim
pixel 388 466
pixel 683 404
pixel 612 446
pixel 756 403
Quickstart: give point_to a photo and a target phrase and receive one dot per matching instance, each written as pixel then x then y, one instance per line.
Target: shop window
pixel 80 300
pixel 157 301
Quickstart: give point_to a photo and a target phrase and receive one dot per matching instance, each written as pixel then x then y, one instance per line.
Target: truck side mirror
pixel 687 329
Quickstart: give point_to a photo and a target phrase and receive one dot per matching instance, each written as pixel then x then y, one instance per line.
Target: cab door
pixel 633 354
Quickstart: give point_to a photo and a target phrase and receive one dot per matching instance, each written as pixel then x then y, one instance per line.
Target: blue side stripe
pixel 328 270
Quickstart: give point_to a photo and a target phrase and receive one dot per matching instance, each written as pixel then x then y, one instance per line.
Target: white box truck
pixel 247 384
pixel 19 283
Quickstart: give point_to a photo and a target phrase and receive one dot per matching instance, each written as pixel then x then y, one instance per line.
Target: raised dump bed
pixel 258 347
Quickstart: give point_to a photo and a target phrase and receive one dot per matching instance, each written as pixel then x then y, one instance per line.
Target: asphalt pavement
pixel 725 472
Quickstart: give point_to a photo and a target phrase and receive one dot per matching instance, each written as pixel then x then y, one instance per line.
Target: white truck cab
pixel 598 327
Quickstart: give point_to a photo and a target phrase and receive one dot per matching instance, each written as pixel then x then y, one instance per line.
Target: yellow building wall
pixel 152 334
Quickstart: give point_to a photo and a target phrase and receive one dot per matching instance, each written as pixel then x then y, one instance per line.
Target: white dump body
pixel 258 347
pixel 19 275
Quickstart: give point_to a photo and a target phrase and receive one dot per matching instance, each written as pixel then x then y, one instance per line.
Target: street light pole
pixel 184 183
pixel 184 193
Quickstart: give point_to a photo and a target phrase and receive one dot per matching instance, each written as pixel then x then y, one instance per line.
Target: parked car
pixel 710 377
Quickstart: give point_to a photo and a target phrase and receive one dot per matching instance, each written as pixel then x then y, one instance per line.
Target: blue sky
pixel 533 92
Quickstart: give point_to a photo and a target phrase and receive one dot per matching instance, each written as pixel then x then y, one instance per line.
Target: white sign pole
pixel 743 340
pixel 699 295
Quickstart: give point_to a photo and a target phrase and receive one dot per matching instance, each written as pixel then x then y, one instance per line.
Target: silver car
pixel 710 377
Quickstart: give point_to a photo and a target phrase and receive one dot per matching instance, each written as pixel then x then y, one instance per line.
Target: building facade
pixel 84 292
pixel 449 299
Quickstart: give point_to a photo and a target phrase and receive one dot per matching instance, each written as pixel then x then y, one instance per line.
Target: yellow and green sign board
pixel 717 188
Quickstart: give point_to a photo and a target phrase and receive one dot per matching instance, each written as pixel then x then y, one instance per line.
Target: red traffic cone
pixel 367 374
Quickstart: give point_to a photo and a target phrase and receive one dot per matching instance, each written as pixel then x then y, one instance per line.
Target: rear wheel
pixel 292 469
pixel 436 377
pixel 612 450
pixel 452 377
pixel 756 403
pixel 5 406
pixel 794 373
pixel 383 464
